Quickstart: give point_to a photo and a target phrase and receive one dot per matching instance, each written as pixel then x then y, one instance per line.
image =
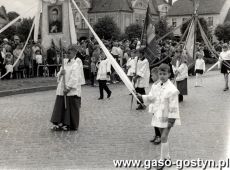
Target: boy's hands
pixel 171 122
pixel 139 96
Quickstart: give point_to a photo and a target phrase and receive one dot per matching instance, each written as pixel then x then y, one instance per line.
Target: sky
pixel 21 6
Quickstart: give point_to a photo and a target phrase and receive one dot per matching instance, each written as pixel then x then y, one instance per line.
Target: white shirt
pixel 103 68
pixel 74 78
pixel 9 68
pixel 144 72
pixel 182 72
pixel 200 64
pixel 225 55
pixel 115 51
pixel 163 101
pixel 38 59
pixel 131 63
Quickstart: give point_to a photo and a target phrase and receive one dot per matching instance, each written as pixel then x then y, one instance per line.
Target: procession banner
pixel 115 65
pixel 37 22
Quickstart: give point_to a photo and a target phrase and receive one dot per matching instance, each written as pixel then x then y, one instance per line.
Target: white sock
pixel 165 151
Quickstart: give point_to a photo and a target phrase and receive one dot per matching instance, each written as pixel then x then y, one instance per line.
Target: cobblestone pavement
pixel 110 131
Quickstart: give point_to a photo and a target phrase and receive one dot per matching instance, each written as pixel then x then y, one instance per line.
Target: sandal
pixel 56 128
pixel 65 128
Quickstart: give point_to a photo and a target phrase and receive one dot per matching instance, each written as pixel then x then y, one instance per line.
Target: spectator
pixel 38 58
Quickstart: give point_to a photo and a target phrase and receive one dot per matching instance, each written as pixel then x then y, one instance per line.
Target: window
pixel 82 23
pixel 91 21
pixel 184 19
pixel 174 23
pixel 210 21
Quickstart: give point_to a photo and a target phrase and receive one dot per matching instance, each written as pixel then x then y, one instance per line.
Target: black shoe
pixel 226 88
pixel 140 107
pixel 157 140
pixel 109 94
pixel 100 98
pixel 153 140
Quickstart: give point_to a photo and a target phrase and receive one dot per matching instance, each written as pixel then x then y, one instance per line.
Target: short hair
pixel 154 70
pixel 55 10
pixel 164 67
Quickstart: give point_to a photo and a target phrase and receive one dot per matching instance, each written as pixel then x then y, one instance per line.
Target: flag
pixel 152 48
pixel 190 44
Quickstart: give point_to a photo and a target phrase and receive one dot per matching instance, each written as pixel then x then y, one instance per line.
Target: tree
pixel 133 31
pixel 12 15
pixel 24 28
pixel 162 28
pixel 106 28
pixel 222 32
pixel 204 25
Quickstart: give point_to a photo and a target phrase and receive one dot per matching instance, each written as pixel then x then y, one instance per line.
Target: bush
pixel 133 31
pixel 107 29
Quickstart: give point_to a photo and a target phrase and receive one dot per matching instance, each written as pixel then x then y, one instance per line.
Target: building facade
pixel 124 12
pixel 213 11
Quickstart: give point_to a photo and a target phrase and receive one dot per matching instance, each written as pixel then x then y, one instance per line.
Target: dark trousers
pixel 92 77
pixel 103 86
pixel 157 131
pixel 180 98
pixel 140 91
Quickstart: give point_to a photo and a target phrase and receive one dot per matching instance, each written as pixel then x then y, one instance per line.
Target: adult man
pixel 55 25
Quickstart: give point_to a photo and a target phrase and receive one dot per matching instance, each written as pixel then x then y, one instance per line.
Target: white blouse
pixel 182 72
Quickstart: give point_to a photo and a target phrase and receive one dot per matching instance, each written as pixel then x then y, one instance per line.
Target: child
pixel 131 65
pixel 93 70
pixel 199 68
pixel 154 75
pixel 165 106
pixel 9 66
pixel 103 75
pixel 38 58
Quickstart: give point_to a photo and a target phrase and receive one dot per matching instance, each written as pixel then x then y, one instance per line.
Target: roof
pixel 160 2
pixel 110 6
pixel 185 7
pixel 153 7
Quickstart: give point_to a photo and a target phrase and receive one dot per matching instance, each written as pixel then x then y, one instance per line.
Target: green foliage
pixel 162 28
pixel 133 31
pixel 204 25
pixel 107 29
pixel 12 15
pixel 222 32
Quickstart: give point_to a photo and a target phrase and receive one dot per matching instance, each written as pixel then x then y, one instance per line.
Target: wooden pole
pixel 63 67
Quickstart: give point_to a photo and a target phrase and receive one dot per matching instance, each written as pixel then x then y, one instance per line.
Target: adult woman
pixel 68 118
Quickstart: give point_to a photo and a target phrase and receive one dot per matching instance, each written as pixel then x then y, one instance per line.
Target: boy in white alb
pixel 131 65
pixel 199 68
pixel 165 107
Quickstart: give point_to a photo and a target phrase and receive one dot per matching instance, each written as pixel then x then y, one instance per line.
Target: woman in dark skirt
pixel 225 64
pixel 66 114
